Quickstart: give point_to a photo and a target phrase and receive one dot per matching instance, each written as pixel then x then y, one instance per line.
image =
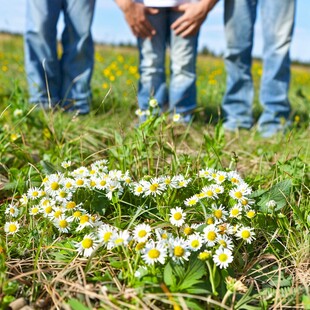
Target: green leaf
pixel 278 193
pixel 48 167
pixel 195 271
pixel 76 305
pixel 169 278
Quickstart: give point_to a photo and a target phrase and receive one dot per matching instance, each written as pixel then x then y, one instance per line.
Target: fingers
pixel 151 11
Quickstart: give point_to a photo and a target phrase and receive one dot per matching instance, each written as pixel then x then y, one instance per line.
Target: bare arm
pixel 135 15
pixel 194 15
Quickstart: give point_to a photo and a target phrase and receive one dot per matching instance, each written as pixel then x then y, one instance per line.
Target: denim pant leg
pixel 152 82
pixel 239 17
pixel 78 55
pixel 40 43
pixel 182 91
pixel 277 26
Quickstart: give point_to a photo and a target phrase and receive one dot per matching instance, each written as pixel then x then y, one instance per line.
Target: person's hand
pixel 136 17
pixel 194 15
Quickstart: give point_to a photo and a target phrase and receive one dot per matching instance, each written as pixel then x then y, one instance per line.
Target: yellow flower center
pixel 221 178
pixel 218 213
pixel 210 221
pixel 103 182
pixel 87 243
pixel 57 213
pixel 244 202
pixel 84 219
pixel 142 233
pixel 251 214
pixel 195 244
pixel 223 243
pixel 119 241
pixel 63 194
pixel 209 193
pixel 35 193
pixel 68 185
pixel 12 228
pixel 164 236
pixel 48 209
pixel 154 187
pixel 139 189
pixel 234 180
pixel 188 230
pixel 223 257
pixel 245 234
pixel 178 251
pixel 234 212
pixel 211 235
pixel 177 216
pixel 71 205
pixel 238 195
pixel 77 214
pixel 35 210
pixel 107 236
pixel 92 183
pixel 63 223
pixel 79 182
pixel 153 253
pixel 54 186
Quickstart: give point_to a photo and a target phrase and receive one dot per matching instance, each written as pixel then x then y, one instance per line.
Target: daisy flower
pixel 179 249
pixel 67 183
pixel 234 178
pixel 246 234
pixel 153 187
pixel 153 103
pixel 85 220
pixel 66 164
pixel 217 188
pixel 34 210
pixel 225 242
pixel 141 232
pixel 162 235
pixel 11 227
pixel 179 181
pixel 239 193
pixel 119 238
pixel 80 172
pixel 33 193
pixel 12 210
pixel 113 187
pixel 219 213
pixel 177 216
pixel 195 241
pixel 105 233
pixel 209 192
pixel 271 204
pixel 222 258
pixel 87 246
pixel 191 201
pixel 206 173
pixel 23 200
pixel 250 214
pixel 62 224
pixel 210 234
pixel 176 117
pixel 154 252
pixel 235 211
pixel 220 177
pixel 246 203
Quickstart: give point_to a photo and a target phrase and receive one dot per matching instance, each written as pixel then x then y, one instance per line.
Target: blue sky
pixel 109 26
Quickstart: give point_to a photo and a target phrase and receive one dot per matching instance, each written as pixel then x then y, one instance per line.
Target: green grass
pixel 41 265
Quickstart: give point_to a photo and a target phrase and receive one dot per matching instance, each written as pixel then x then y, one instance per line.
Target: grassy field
pixel 234 208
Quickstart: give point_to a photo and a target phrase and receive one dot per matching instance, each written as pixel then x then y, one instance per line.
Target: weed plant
pixel 141 182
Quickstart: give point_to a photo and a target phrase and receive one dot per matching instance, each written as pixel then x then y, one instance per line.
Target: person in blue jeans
pixel 64 82
pixel 277 29
pixel 154 24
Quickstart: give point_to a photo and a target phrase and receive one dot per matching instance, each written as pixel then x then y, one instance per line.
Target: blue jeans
pixel 65 81
pixel 277 28
pixel 183 53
